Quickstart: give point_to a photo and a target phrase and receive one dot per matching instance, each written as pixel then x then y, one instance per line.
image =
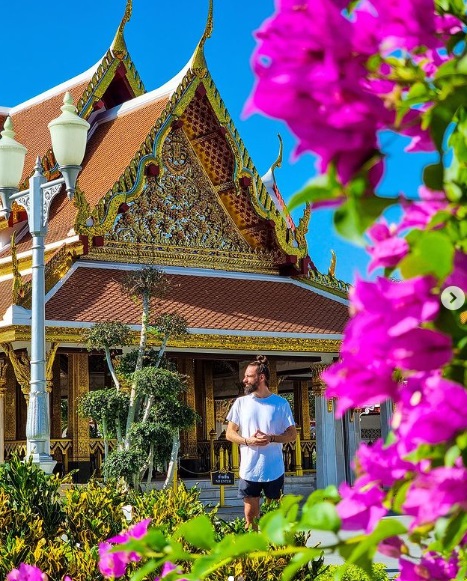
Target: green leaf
pixel 433 253
pixel 275 526
pixel 199 532
pixel 356 214
pixel 236 545
pixel 298 561
pixel 318 189
pixel 322 516
pixel 454 532
pixel 144 571
pixel 433 176
pixel 360 550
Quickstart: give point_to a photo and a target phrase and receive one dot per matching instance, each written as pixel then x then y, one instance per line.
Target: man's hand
pixel 259 438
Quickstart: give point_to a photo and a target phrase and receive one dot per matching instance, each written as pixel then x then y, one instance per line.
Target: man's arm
pixel 290 435
pixel 259 439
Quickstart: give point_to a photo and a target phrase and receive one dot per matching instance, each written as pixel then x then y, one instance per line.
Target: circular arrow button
pixel 453 298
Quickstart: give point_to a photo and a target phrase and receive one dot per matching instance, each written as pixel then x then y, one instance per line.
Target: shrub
pixel 353 573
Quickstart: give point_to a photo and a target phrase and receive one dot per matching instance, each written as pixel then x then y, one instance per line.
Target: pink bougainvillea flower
pixel 382 464
pixel 357 385
pixel 387 249
pixel 361 505
pixel 420 350
pixel 26 572
pixel 436 493
pixel 458 277
pixel 168 568
pixel 419 214
pixel 431 567
pixel 113 563
pixel 392 547
pixel 403 26
pixel 400 305
pixel 432 410
pixel 304 76
pixel 412 127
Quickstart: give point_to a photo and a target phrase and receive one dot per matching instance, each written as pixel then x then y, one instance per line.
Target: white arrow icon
pixel 453 298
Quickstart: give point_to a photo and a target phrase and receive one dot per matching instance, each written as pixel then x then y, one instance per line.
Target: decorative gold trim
pixel 192 341
pixel 332 265
pixel 131 183
pixel 118 46
pixel 327 283
pixel 135 253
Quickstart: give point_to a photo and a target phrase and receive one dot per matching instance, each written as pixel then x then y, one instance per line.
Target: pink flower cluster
pixel 388 246
pixel 384 335
pixel 306 78
pixel 26 572
pixel 113 563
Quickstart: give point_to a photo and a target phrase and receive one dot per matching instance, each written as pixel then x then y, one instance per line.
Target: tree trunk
pixel 111 368
pixel 138 367
pixel 173 459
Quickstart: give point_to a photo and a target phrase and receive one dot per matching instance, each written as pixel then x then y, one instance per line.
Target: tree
pixel 137 409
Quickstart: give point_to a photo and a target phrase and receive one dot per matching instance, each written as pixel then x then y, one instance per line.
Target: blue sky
pixel 48 43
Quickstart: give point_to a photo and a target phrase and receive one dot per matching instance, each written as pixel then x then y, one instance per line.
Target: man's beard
pixel 251 388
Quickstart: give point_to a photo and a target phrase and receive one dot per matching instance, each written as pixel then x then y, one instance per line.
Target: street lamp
pixel 69 134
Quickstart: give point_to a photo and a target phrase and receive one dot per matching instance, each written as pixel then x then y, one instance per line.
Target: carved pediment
pixel 180 207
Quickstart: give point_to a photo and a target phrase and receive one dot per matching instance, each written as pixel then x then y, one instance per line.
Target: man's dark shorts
pixel 272 490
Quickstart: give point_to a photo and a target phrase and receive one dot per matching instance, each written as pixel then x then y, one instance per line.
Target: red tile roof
pixel 207 302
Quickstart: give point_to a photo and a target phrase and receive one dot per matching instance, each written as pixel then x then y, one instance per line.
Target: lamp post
pixel 68 133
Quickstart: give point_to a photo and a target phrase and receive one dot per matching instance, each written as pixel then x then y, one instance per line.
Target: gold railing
pixel 60 450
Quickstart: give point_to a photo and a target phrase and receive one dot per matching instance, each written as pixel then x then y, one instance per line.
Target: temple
pixel 167 181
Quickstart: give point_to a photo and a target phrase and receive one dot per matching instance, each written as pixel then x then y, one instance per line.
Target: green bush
pixel 354 573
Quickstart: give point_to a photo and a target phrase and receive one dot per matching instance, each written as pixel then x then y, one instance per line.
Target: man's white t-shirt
pixel 271 415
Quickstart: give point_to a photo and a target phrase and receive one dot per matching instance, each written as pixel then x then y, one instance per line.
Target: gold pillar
pixel 273 381
pixel 10 405
pixel 298 454
pixel 3 370
pixel 209 411
pixel 53 384
pixel 304 403
pixel 235 459
pixel 78 374
pixel 186 366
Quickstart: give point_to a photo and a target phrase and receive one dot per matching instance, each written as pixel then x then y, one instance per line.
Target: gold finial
pixel 199 62
pixel 118 46
pixel 278 161
pixel 332 265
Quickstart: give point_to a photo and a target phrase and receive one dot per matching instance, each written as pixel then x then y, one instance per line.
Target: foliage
pixel 30 494
pixel 110 334
pixel 144 411
pixel 353 573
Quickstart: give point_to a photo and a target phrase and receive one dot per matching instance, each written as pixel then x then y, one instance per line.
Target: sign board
pixel 222 478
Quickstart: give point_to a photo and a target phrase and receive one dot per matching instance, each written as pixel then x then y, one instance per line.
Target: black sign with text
pixel 222 478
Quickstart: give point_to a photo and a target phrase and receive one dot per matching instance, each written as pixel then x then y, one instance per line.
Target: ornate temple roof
pixel 166 180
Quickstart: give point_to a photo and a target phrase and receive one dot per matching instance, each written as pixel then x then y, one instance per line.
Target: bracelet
pixel 246 443
pixel 272 439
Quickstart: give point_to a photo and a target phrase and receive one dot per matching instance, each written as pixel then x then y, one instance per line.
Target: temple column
pixel 302 407
pixel 386 412
pixel 330 458
pixel 3 382
pixel 188 438
pixel 353 438
pixel 78 374
pixel 273 380
pixel 209 411
pixel 54 386
pixel 10 405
